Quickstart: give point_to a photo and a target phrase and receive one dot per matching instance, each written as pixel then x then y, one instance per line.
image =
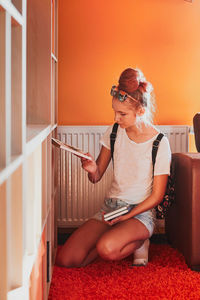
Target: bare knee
pixel 106 249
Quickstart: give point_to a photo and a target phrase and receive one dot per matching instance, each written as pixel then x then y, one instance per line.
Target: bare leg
pixel 80 248
pixel 92 255
pixel 122 239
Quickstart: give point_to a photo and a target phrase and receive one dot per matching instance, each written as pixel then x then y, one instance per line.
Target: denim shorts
pixel 147 218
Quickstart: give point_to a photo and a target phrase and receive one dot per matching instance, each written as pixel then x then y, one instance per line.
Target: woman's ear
pixel 140 111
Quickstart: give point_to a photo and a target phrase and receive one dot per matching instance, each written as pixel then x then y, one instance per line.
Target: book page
pixel 69 148
pixel 113 212
pixel 116 215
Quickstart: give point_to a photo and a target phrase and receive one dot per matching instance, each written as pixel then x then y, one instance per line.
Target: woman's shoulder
pixel 149 133
pixel 164 139
pixel 165 145
pixel 154 129
pixel 105 138
pixel 157 131
pixel 111 128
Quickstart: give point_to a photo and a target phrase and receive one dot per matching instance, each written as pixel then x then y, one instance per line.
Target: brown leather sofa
pixel 182 223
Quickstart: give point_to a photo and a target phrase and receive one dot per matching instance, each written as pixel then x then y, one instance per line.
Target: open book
pixel 69 148
pixel 117 212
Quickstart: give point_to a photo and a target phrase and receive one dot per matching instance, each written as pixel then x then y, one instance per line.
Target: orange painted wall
pixel 99 39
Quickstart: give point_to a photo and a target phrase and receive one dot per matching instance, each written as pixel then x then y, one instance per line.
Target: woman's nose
pixel 116 118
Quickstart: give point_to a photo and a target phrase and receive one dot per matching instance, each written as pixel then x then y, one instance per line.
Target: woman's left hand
pixel 117 220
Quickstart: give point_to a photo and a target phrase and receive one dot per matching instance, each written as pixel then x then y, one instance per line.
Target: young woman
pixel 132 183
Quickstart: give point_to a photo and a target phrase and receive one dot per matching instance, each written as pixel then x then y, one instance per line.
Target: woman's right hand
pixel 96 168
pixel 89 165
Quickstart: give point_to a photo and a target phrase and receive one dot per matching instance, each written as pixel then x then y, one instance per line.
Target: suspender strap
pixel 113 137
pixel 155 148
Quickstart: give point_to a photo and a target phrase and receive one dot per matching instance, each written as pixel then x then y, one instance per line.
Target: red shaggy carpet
pixel 165 277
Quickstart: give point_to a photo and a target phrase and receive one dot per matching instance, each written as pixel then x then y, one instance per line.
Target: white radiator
pixel 80 199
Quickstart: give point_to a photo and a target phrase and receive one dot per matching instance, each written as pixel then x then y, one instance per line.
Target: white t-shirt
pixel 132 180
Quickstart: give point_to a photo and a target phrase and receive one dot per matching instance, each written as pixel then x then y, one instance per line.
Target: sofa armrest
pixel 183 219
